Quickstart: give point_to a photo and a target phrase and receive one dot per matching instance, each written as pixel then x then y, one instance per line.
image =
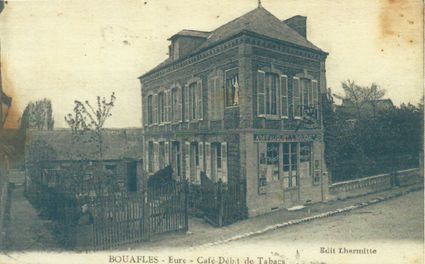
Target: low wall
pixel 352 188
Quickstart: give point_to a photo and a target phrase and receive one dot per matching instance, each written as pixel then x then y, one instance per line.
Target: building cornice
pixel 244 37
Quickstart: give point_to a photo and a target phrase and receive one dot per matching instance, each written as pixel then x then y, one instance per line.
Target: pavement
pixel 26 230
pixel 201 234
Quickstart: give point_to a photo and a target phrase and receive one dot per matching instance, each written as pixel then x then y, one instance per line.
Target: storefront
pixel 287 170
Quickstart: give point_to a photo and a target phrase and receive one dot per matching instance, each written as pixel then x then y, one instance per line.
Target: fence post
pixel 146 213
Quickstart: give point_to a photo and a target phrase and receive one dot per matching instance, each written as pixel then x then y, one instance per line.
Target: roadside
pixel 204 235
pixel 26 230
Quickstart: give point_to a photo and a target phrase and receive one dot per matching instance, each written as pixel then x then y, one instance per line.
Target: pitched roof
pixel 262 22
pixel 117 144
pixel 191 33
pixel 258 21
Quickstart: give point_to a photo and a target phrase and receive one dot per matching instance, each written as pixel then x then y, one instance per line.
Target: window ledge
pixel 232 106
pixel 270 117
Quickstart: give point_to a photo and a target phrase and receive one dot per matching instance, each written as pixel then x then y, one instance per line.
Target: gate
pixel 222 204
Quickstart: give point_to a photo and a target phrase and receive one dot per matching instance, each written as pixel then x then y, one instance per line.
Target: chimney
pixel 298 23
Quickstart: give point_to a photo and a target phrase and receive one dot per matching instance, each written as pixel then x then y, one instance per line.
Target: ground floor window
pixel 194 162
pixel 161 156
pixel 176 159
pixel 284 162
pixel 151 161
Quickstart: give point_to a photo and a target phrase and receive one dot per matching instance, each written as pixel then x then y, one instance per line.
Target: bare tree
pixel 87 126
pixel 360 96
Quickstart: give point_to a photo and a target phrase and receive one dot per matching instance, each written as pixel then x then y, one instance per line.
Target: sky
pixel 72 49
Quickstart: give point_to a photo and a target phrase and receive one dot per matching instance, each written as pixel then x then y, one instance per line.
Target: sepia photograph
pixel 211 132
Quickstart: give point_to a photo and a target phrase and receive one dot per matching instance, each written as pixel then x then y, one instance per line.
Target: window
pixel 176 107
pixel 290 164
pixel 305 159
pixel 271 98
pixel 284 96
pixel 194 162
pixel 176 159
pixel 150 109
pixel 193 107
pixel 271 87
pixel 162 155
pixel 232 88
pixel 192 100
pixel 161 107
pixel 305 97
pixel 150 157
pixel 296 97
pixel 215 160
pixel 215 98
pixel 268 163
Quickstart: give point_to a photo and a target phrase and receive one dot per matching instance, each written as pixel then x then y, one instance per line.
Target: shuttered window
pixel 224 161
pixel 199 101
pixel 186 111
pixel 215 97
pixel 156 156
pixel 208 159
pixel 284 96
pixel 167 153
pixel 296 97
pixel 150 110
pixel 186 153
pixel 261 76
pixel 315 97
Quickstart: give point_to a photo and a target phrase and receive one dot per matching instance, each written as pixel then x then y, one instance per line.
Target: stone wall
pixel 352 188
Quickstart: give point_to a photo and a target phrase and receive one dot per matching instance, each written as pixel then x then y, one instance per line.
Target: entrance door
pixel 132 176
pixel 305 159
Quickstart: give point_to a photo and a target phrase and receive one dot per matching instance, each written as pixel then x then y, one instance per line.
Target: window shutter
pixel 260 92
pixel 167 153
pixel 219 101
pixel 315 95
pixel 156 156
pixel 187 159
pixel 296 97
pixel 180 104
pixel 145 111
pixel 284 96
pixel 211 100
pixel 208 159
pixel 201 155
pixel 147 161
pixel 224 161
pixel 166 102
pixel 199 94
pixel 186 103
pixel 154 109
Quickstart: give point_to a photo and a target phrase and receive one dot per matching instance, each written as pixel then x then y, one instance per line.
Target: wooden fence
pixel 222 204
pixel 117 219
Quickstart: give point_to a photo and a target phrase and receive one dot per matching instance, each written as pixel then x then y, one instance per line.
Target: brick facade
pixel 242 129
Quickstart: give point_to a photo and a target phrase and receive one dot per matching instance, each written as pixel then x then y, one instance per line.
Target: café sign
pixel 286 138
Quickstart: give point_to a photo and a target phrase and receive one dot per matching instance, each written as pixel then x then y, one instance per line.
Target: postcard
pixel 211 132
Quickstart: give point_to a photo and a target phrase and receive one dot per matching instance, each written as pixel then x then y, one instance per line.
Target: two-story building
pixel 243 104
